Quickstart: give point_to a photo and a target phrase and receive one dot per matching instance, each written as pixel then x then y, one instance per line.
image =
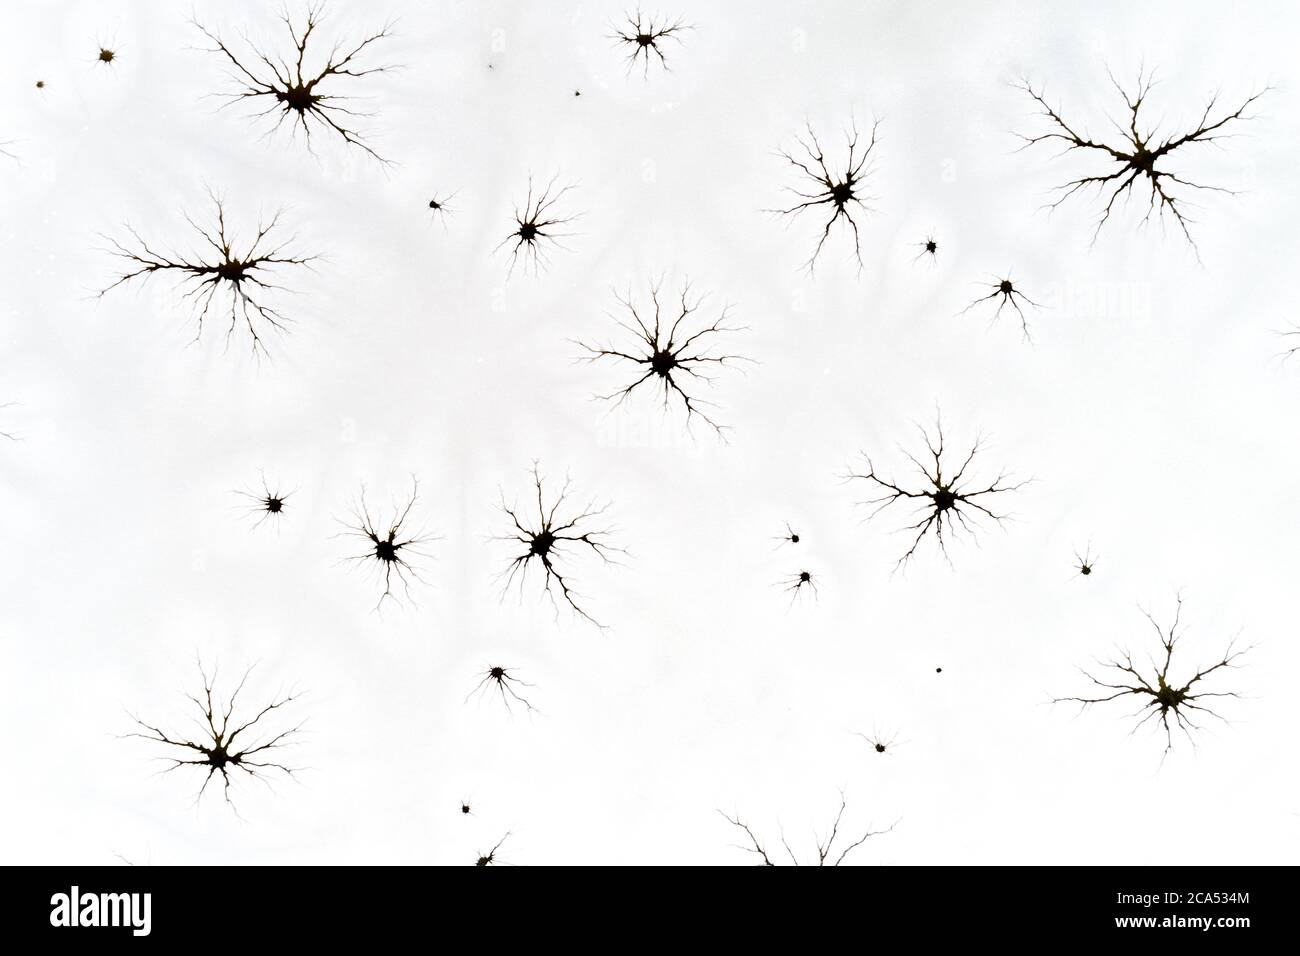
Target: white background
pixel 1151 411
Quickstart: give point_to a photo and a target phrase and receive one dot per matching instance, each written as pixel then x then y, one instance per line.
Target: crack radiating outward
pixel 1005 293
pixel 502 680
pixel 676 352
pixel 1161 698
pixel 551 536
pixel 294 91
pixel 1137 156
pixel 947 504
pixel 536 227
pixel 269 504
pixel 834 187
pixel 223 746
pixel 225 277
pixel 389 549
pixel 826 852
pixel 643 36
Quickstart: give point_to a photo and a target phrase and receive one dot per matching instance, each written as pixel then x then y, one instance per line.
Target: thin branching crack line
pixel 1289 336
pixel 800 583
pixel 551 536
pixel 537 227
pixel 643 36
pixel 490 857
pixel 790 537
pixel 831 186
pixel 268 504
pixel 1005 293
pixel 223 745
pixel 225 276
pixel 1087 561
pixel 506 684
pixel 675 351
pixel 948 503
pixel 881 741
pixel 391 548
pixel 929 249
pixel 7 434
pixel 1162 698
pixel 294 91
pixel 1138 155
pixel 826 853
pixel 440 206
